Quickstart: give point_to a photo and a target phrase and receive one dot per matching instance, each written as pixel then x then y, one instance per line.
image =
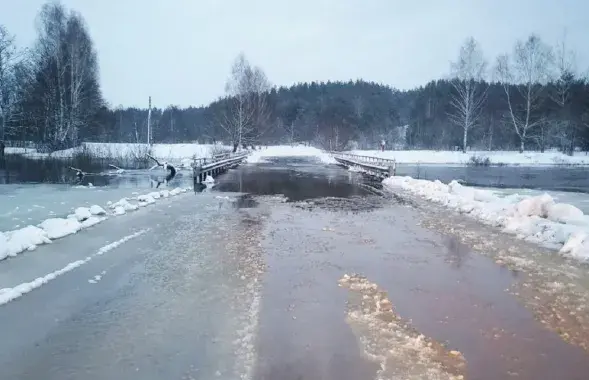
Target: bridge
pixel 217 164
pixel 374 166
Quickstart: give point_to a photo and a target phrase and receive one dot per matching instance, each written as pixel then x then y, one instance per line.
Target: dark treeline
pixel 50 94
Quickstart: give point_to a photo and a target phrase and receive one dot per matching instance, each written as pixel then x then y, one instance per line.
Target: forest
pixel 531 98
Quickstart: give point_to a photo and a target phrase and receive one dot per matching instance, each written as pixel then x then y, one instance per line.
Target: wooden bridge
pixel 217 164
pixel 374 166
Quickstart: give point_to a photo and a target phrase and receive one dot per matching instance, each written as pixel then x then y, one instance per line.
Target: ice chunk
pixel 125 204
pixel 537 205
pixel 577 245
pixel 145 199
pixel 155 195
pixel 17 241
pixel 82 213
pixel 119 210
pixel 58 227
pixel 564 213
pixel 97 210
pixel 92 221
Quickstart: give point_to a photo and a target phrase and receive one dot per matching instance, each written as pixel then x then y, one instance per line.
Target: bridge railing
pixel 376 166
pixel 219 163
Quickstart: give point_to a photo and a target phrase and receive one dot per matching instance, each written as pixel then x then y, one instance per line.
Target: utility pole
pixel 149 123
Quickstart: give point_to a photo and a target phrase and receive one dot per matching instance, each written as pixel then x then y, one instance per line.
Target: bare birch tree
pixel 468 74
pixel 527 71
pixel 64 94
pixel 84 97
pixel 247 109
pixel 561 95
pixel 8 84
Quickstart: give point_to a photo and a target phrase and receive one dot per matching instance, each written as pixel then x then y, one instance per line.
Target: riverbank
pixel 479 158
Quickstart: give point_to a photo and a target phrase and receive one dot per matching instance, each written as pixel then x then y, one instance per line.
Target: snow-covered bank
pixel 131 150
pixel 495 157
pixel 537 219
pixel 28 238
pixel 289 151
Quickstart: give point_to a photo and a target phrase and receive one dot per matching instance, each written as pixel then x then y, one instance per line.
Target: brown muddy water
pixel 429 308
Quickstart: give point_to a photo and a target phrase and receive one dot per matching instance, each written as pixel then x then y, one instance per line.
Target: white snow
pixel 289 151
pixel 182 152
pixel 91 221
pixel 17 241
pixel 97 210
pixel 495 157
pixel 538 219
pixel 82 213
pixel 146 199
pixel 10 294
pixel 124 204
pixel 209 179
pixel 119 210
pixel 59 227
pixel 155 194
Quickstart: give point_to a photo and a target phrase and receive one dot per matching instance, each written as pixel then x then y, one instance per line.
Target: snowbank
pixel 28 238
pixel 538 219
pixel 17 241
pixel 495 157
pixel 183 152
pixel 289 151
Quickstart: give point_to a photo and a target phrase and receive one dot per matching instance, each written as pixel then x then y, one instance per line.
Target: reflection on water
pixel 18 170
pixel 296 180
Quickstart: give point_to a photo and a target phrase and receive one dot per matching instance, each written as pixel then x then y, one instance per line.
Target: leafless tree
pixel 561 94
pixel 528 70
pixel 468 74
pixel 246 115
pixel 9 58
pixel 65 92
pixel 84 94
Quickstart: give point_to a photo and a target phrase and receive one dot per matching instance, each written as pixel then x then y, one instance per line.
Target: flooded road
pixel 288 270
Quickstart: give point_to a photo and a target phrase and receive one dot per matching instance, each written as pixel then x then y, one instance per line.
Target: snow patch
pixel 124 204
pixel 10 294
pixel 538 219
pixel 82 213
pixel 17 241
pixel 97 210
pixel 459 158
pixel 119 210
pixel 146 199
pixel 258 156
pixel 59 227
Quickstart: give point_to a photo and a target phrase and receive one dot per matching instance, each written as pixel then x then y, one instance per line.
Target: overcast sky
pixel 180 51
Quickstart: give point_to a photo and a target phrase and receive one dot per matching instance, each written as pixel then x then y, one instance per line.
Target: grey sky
pixel 180 51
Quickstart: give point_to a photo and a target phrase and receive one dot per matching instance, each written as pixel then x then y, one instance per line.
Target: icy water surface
pixel 24 203
pixel 556 178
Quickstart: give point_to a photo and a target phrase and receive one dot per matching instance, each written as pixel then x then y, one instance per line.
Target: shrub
pixel 479 161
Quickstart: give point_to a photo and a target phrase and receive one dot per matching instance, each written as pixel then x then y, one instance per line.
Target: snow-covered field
pixel 130 150
pixel 30 233
pixel 536 218
pixel 289 151
pixel 495 157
